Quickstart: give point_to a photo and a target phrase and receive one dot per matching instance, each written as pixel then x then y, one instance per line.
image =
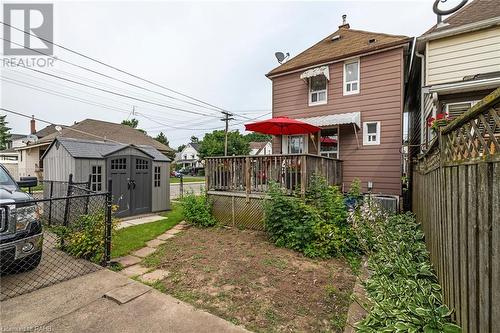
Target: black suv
pixel 20 227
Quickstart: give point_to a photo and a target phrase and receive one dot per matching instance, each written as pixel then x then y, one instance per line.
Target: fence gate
pixel 40 238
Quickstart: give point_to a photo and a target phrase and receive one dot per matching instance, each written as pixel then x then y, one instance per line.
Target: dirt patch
pixel 242 277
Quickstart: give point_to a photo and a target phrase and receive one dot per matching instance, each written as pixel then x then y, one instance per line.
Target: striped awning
pixel 334 119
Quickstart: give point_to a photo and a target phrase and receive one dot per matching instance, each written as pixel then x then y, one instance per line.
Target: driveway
pixel 105 301
pixel 195 187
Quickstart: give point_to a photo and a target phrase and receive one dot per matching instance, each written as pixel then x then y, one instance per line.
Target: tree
pixel 4 132
pixel 213 144
pixel 133 123
pixel 194 139
pixel 181 148
pixel 258 137
pixel 162 139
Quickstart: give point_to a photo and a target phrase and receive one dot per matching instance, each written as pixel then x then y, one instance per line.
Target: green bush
pixel 84 238
pixel 404 292
pixel 314 225
pixel 197 210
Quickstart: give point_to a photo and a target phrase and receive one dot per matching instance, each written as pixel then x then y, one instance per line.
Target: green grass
pixel 39 187
pixel 133 238
pixel 174 180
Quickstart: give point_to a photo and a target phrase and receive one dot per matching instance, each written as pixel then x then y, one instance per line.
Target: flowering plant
pixel 441 119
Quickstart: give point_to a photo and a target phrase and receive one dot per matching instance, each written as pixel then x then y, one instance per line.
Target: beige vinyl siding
pixel 450 59
pixel 380 99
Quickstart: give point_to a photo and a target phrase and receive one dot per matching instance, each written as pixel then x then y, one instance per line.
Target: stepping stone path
pixel 131 263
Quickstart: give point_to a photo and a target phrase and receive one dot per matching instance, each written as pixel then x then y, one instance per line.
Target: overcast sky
pixel 217 52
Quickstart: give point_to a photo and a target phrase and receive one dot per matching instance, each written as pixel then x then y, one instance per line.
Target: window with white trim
pixel 295 144
pixel 329 142
pixel 371 133
pixel 317 90
pixel 157 176
pixel 96 178
pixel 351 77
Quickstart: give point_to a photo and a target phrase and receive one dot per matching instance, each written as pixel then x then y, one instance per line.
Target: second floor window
pixel 317 90
pixel 351 77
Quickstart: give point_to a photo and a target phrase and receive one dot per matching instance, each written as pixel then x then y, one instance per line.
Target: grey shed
pixel 140 174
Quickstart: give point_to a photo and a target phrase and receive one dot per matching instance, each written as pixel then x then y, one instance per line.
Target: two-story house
pixel 189 158
pixel 351 85
pixel 459 65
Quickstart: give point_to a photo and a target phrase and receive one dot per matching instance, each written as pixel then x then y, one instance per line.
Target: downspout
pixel 422 84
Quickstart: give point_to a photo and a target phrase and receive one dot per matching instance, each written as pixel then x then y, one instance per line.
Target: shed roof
pixel 79 148
pixel 89 129
pixel 350 43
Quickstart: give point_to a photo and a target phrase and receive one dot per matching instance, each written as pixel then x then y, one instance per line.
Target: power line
pixel 115 68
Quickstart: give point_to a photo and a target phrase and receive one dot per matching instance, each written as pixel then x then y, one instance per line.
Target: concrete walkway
pixel 131 263
pixel 105 301
pixel 128 222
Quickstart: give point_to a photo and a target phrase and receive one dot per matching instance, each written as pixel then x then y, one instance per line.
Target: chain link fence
pixel 62 233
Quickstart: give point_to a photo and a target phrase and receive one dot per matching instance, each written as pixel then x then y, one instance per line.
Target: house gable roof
pixel 351 43
pixel 46 131
pixel 195 145
pixel 473 12
pixel 91 129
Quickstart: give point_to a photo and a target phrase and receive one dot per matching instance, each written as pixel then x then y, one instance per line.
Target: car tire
pixel 28 263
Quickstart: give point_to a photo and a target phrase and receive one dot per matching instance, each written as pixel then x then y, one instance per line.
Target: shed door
pixel 141 185
pixel 119 168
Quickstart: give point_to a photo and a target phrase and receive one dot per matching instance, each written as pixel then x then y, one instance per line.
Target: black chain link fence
pixel 62 233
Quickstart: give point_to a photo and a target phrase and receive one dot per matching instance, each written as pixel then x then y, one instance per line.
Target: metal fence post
pixel 51 193
pixel 181 186
pixel 107 239
pixel 66 207
pixel 88 198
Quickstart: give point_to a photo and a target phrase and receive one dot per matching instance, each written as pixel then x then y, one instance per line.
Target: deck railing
pixel 253 174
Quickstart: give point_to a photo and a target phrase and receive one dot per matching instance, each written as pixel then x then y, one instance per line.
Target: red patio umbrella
pixel 328 141
pixel 281 126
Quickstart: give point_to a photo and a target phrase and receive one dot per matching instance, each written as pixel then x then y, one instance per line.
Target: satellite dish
pixel 30 139
pixel 58 128
pixel 440 12
pixel 281 56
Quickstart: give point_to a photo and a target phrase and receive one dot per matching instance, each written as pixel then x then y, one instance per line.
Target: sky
pixel 217 52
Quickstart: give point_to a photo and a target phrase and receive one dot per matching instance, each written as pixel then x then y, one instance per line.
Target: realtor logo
pixel 34 18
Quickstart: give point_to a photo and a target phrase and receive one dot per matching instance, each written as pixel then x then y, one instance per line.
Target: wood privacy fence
pixel 252 174
pixel 456 198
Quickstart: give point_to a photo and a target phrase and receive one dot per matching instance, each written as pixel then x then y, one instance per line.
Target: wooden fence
pixel 252 174
pixel 456 198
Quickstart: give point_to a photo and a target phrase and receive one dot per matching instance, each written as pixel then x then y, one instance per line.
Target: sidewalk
pixel 106 301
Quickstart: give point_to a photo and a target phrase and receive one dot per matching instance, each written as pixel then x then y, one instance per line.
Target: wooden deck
pixel 253 174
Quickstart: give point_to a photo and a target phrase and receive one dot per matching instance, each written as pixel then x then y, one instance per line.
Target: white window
pixel 96 178
pixel 317 90
pixel 329 142
pixel 371 133
pixel 295 144
pixel 456 109
pixel 351 77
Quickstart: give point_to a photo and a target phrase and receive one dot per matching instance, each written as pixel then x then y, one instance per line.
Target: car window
pixel 5 179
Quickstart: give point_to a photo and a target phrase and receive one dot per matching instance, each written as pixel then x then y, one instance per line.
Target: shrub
pixel 315 225
pixel 197 210
pixel 403 289
pixel 355 189
pixel 84 238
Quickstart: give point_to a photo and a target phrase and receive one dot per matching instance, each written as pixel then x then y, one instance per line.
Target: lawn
pixel 238 275
pixel 133 238
pixel 175 180
pixel 39 187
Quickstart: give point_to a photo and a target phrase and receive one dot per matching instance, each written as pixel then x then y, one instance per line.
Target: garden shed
pixel 139 173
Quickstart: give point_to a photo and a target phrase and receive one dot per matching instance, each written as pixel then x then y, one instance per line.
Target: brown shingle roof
pixel 352 42
pixel 475 11
pixel 46 131
pixel 91 129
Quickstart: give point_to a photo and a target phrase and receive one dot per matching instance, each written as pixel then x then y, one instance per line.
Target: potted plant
pixel 441 120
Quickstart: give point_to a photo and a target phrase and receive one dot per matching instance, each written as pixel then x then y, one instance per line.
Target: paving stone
pixel 144 252
pixel 128 260
pixel 173 231
pixel 158 274
pixel 165 236
pixel 125 294
pixel 155 243
pixel 134 270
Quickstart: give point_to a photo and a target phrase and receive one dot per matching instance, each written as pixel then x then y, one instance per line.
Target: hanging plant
pixel 441 120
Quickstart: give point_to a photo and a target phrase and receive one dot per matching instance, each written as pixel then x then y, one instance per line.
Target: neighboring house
pixel 351 85
pixel 9 157
pixel 457 64
pixel 30 163
pixel 139 173
pixel 189 157
pixel 261 148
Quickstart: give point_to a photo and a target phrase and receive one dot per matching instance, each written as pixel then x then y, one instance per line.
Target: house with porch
pixel 350 84
pixel 456 64
pixel 189 158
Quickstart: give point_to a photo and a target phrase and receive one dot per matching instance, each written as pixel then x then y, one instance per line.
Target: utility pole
pixel 227 118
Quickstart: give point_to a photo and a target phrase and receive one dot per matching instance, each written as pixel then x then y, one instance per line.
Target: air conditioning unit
pixel 387 202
